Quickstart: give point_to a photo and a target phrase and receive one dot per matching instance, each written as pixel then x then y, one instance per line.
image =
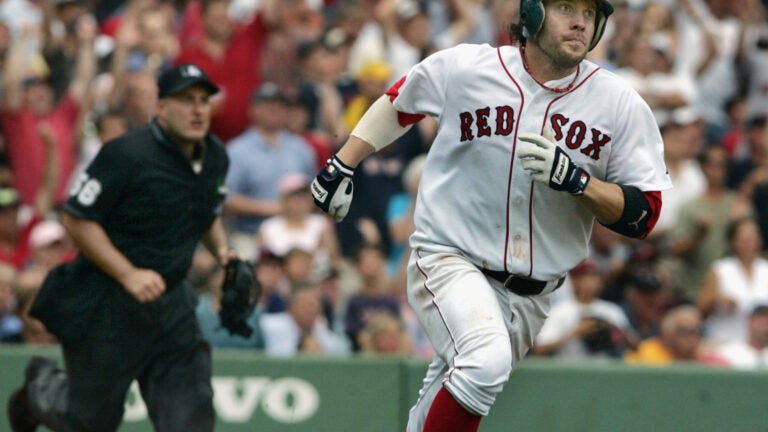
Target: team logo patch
pixel 191 71
pixel 584 178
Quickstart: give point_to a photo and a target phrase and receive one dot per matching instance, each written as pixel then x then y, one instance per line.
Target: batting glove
pixel 549 164
pixel 332 188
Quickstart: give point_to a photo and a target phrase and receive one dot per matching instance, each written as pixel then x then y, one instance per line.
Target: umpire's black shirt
pixel 142 189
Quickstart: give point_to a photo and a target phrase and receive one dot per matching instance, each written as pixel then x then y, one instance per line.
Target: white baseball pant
pixel 480 331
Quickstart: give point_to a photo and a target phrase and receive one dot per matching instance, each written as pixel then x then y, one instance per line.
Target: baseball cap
pixel 179 78
pixel 46 233
pixel 587 266
pixel 266 256
pixel 757 121
pixel 293 182
pixel 9 197
pixel 375 70
pixel 685 115
pixel 645 281
pixel 33 80
pixel 269 91
pixel 760 309
pixel 408 9
pixel 335 38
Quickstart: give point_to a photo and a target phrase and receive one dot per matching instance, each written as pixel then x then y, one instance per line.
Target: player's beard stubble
pixel 554 49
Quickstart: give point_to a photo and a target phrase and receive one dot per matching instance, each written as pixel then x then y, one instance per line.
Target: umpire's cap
pixel 181 77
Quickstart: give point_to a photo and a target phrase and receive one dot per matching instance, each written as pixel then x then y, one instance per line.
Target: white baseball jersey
pixel 476 200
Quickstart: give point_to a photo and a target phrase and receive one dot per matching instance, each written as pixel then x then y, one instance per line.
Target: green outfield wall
pixel 258 394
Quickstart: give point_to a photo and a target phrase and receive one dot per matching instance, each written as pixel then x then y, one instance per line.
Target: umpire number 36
pixel 86 189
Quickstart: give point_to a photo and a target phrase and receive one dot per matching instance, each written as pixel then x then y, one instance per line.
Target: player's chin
pixel 197 130
pixel 575 49
pixel 195 134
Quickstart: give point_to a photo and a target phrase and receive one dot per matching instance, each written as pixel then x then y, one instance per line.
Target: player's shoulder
pixel 130 143
pixel 464 54
pixel 602 81
pixel 608 80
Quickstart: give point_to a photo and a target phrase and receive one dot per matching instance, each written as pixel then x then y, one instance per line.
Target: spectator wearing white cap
pixel 51 245
pixel 298 226
pixel 15 228
pixel 585 326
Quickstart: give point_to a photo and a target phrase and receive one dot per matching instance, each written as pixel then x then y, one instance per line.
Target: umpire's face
pixel 186 115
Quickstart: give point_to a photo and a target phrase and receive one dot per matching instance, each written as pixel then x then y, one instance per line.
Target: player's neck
pixel 540 67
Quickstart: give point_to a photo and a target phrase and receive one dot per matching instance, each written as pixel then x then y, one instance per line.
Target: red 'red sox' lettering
pixel 504 119
pixel 572 134
pixel 576 133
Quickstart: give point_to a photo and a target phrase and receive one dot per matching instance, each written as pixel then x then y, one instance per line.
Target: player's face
pixel 567 31
pixel 186 115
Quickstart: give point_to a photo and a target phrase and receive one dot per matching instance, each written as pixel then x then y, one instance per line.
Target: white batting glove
pixel 332 188
pixel 549 164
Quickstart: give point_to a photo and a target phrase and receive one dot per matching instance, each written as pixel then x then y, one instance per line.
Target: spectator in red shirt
pixel 15 247
pixel 28 103
pixel 230 54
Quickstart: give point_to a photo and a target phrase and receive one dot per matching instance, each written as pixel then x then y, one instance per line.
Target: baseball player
pixel 123 310
pixel 534 142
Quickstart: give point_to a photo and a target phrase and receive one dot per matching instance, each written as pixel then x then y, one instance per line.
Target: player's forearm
pixel 605 200
pixel 215 240
pixel 354 151
pixel 95 244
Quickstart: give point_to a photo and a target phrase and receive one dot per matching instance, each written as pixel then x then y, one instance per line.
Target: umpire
pixel 122 309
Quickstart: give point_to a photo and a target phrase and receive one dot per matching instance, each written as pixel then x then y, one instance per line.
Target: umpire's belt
pixel 523 286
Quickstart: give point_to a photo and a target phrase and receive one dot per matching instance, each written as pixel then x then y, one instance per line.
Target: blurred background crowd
pixel 296 75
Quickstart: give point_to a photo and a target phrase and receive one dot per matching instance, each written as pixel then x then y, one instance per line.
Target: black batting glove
pixel 332 188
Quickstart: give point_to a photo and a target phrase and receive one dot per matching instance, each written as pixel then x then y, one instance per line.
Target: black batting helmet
pixel 532 18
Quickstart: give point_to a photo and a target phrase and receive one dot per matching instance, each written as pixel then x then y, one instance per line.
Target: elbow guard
pixel 379 126
pixel 639 215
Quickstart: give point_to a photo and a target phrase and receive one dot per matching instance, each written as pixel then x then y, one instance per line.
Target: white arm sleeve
pixel 379 126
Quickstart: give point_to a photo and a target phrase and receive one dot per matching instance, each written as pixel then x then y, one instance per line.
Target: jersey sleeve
pixel 422 91
pixel 97 190
pixel 637 158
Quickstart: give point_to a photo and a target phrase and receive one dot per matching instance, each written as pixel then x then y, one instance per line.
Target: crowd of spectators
pixel 296 76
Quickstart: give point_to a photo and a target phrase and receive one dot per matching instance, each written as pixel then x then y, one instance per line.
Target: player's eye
pixel 565 8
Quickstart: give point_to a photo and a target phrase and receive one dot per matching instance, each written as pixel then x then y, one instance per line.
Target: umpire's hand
pixel 144 285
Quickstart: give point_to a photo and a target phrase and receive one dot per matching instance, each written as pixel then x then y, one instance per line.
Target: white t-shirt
pixel 725 326
pixel 740 355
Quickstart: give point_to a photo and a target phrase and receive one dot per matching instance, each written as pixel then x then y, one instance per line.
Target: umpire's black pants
pixel 158 344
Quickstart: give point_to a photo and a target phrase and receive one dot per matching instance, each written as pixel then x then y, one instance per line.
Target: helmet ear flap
pixel 531 16
pixel 604 10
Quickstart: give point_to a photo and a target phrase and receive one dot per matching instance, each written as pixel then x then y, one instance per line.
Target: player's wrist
pixel 335 164
pixel 567 176
pixel 578 181
pixel 332 188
